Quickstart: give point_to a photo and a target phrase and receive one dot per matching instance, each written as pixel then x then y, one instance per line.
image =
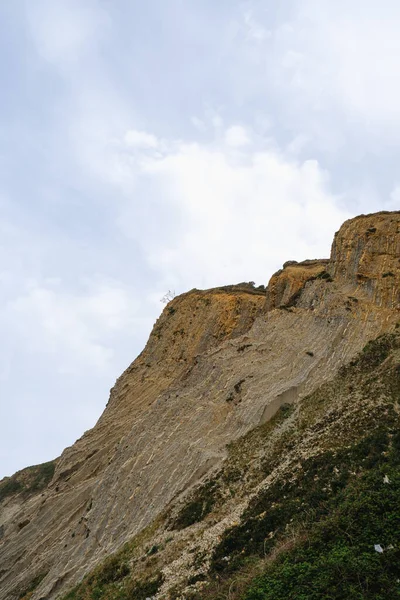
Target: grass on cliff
pixel 112 581
pixel 198 507
pixel 28 591
pixel 311 535
pixel 28 481
pixel 126 575
pixel 339 559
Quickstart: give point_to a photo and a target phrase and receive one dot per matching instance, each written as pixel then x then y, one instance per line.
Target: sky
pixel 166 145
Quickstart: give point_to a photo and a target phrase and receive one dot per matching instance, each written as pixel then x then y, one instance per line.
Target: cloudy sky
pixel 169 144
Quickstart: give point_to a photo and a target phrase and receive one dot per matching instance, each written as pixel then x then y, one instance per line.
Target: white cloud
pixel 254 29
pixel 278 94
pixel 198 123
pixel 297 144
pixel 236 136
pixel 63 30
pixel 140 139
pixel 340 58
pixel 233 216
pixel 71 327
pixel 393 203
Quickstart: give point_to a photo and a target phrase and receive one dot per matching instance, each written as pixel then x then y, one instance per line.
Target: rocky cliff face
pixel 218 365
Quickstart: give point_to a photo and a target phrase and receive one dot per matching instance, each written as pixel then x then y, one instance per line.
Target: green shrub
pixel 42 475
pixel 304 498
pixel 8 487
pixel 140 590
pixel 198 507
pixel 339 560
pixel 29 481
pixel 113 569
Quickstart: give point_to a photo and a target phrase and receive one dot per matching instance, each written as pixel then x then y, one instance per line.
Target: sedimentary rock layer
pixel 217 364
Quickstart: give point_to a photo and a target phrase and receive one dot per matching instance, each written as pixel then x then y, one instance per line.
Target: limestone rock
pixel 286 285
pixel 217 364
pixel 366 255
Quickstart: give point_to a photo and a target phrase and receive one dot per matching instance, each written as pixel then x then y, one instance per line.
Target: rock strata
pixel 286 284
pixel 217 364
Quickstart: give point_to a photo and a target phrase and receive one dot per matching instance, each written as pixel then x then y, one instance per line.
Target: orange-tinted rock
pixel 366 255
pixel 216 365
pixel 285 285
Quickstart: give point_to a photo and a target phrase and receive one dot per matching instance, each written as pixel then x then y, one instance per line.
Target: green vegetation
pixel 145 589
pixel 305 497
pixel 28 481
pixel 152 550
pixel 8 487
pixel 338 560
pixel 240 469
pixel 310 534
pixel 375 352
pixel 28 591
pixel 324 275
pixel 112 570
pixel 200 505
pixel 129 574
pixel 41 477
pixel 112 583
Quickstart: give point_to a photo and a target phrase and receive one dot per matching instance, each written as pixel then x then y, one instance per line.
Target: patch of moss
pixel 324 275
pixel 111 580
pixel 29 481
pixel 304 496
pixel 376 351
pixel 198 507
pixel 8 487
pixel 339 560
pixel 113 569
pixel 31 587
pixel 141 590
pixel 42 475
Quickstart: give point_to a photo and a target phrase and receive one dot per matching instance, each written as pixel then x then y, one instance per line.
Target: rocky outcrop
pixel 217 364
pixel 366 256
pixel 286 285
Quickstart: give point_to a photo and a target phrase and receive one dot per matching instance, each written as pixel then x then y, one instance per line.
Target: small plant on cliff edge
pixel 170 295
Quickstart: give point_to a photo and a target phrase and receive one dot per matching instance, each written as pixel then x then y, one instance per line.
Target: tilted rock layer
pixel 218 364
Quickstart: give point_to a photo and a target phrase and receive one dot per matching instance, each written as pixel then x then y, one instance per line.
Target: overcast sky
pixel 169 144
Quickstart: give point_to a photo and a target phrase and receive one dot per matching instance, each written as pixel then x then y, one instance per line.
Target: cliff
pixel 219 365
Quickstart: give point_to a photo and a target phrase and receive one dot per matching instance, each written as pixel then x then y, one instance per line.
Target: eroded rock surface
pixel 217 364
pixel 286 285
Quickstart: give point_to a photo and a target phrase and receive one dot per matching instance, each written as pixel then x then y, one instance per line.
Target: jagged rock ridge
pixel 217 365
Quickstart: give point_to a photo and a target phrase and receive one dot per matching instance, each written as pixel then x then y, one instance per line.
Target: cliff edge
pixel 219 364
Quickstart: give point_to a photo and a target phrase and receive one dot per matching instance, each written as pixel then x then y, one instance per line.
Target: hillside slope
pixel 189 412
pixel 305 506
